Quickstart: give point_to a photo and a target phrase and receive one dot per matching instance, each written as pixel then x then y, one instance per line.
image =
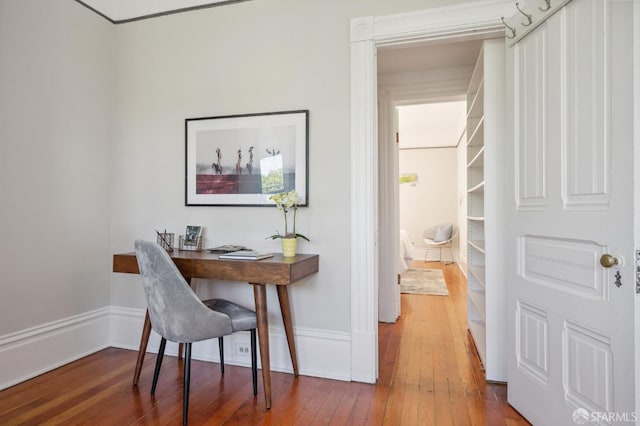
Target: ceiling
pixel 425 57
pixel 434 124
pixel 130 10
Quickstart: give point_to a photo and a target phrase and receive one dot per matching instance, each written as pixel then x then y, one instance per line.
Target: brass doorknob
pixel 608 261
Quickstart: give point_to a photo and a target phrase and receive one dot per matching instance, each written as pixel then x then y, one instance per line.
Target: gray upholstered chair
pixel 178 315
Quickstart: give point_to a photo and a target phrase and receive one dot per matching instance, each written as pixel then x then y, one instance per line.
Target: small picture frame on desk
pixel 192 239
pixel 192 234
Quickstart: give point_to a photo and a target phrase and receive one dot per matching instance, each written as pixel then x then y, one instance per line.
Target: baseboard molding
pixel 321 353
pixel 40 349
pixel 43 348
pixel 419 253
pixel 462 265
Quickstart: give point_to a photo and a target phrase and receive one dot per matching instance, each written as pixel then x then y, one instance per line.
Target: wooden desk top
pixel 274 270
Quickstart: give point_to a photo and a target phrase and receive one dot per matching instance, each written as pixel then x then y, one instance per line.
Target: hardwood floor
pixel 429 375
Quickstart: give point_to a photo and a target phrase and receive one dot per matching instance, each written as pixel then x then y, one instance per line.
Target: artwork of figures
pixel 242 160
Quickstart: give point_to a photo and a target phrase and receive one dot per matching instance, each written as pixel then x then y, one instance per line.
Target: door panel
pixel 585 106
pixel 571 327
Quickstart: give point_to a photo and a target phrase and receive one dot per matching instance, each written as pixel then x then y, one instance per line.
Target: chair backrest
pixel 175 311
pixel 445 232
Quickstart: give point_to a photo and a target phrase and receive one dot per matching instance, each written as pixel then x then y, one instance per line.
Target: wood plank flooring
pixel 429 375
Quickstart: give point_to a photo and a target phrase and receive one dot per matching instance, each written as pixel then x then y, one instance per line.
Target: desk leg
pixel 144 340
pixel 283 297
pixel 260 297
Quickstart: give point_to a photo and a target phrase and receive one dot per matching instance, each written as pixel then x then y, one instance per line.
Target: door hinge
pixel 397 138
pixel 399 279
pixel 637 265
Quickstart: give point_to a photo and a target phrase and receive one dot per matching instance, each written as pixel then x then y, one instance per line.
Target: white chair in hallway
pixel 439 237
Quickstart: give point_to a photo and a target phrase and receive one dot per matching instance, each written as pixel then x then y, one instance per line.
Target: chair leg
pixel 187 374
pixel 221 347
pixel 156 372
pixel 451 254
pixel 254 362
pixel 426 254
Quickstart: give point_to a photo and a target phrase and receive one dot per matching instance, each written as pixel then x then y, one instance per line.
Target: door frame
pixel 446 24
pixel 636 159
pixel 390 97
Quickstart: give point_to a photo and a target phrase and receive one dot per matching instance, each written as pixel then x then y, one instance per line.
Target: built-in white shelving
pixel 477 245
pixel 478 160
pixel 485 301
pixel 478 273
pixel 477 188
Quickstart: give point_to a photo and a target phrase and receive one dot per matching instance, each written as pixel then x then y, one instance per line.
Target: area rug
pixel 423 281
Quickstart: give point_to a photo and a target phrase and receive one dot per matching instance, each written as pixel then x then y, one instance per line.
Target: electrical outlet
pixel 243 349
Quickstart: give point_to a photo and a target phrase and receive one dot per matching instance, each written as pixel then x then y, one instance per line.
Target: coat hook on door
pixel 529 20
pixel 513 30
pixel 548 4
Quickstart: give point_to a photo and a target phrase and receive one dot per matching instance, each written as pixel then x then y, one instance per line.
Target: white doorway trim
pixel 452 23
pixel 636 160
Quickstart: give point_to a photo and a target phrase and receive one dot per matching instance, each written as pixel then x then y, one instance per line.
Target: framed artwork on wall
pixel 241 160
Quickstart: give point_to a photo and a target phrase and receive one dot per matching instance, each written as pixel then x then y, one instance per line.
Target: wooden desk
pixel 276 271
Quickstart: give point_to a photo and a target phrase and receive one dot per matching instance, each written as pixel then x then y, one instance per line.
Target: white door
pixel 570 326
pixel 388 210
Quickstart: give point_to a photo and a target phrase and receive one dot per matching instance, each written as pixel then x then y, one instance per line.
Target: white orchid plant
pixel 287 201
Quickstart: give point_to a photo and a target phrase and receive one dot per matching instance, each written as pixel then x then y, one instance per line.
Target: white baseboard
pixel 420 252
pixel 365 363
pixel 39 349
pixel 36 350
pixel 462 265
pixel 321 353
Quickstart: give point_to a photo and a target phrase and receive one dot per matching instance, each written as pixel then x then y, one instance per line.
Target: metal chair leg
pixel 156 372
pixel 451 254
pixel 254 362
pixel 187 374
pixel 426 254
pixel 221 347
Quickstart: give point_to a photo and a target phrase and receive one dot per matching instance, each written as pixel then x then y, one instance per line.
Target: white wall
pixel 434 199
pixel 56 63
pixel 234 60
pixel 56 86
pixel 250 57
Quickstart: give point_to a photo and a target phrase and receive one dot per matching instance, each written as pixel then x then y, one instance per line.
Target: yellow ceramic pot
pixel 289 247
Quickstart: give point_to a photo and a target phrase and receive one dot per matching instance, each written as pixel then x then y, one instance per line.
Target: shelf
pixel 478 188
pixel 476 108
pixel 485 289
pixel 479 334
pixel 472 313
pixel 477 298
pixel 477 76
pixel 478 160
pixel 477 136
pixel 478 273
pixel 478 245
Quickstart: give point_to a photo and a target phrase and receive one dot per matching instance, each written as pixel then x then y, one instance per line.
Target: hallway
pixel 429 367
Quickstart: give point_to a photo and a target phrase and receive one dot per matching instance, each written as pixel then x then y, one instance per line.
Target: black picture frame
pixel 241 160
